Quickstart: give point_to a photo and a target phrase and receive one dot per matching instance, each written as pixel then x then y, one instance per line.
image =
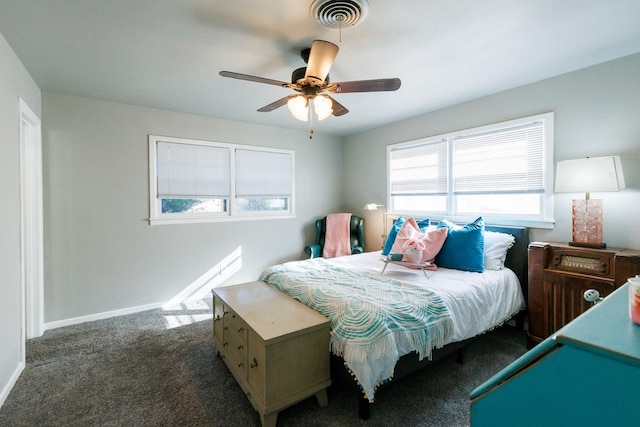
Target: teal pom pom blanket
pixel 374 319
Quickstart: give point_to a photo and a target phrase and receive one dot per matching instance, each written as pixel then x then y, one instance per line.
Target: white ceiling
pixel 167 53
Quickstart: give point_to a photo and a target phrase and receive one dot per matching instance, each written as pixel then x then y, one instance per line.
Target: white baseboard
pixel 99 316
pixel 12 381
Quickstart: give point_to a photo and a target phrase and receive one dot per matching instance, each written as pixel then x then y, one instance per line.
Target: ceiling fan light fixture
pixel 323 106
pixel 323 54
pixel 312 82
pixel 299 107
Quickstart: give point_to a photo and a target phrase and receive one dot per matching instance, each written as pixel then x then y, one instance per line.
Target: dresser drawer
pixel 235 323
pixel 235 342
pixel 236 354
pixel 236 331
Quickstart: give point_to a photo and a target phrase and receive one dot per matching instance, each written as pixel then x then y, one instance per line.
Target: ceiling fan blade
pixel 275 104
pixel 338 109
pixel 376 85
pixel 247 77
pixel 321 59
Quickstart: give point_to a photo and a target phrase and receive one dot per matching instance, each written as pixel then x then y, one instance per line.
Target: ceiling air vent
pixel 338 14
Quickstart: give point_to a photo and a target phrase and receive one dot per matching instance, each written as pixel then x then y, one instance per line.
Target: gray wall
pixel 597 113
pixel 100 252
pixel 15 83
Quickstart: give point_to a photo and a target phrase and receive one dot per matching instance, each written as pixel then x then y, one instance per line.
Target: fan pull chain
pixel 310 112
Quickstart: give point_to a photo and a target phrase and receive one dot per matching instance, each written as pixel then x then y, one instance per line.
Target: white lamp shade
pixel 593 174
pixel 372 207
pixel 323 106
pixel 298 107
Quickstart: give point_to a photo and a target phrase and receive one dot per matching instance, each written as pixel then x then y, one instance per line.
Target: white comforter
pixel 476 302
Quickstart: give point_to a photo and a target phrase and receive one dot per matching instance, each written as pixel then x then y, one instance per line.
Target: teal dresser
pixel 586 374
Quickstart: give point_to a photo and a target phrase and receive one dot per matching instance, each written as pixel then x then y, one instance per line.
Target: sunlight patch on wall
pixel 193 303
pixel 215 276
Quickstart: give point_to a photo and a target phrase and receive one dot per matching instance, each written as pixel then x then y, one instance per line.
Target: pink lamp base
pixel 587 223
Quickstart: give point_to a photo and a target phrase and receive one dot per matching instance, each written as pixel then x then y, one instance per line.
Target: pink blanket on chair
pixel 337 235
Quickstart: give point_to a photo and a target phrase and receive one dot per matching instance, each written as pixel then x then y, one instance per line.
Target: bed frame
pixel 517 261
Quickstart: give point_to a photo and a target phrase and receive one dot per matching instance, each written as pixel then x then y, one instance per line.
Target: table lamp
pixel 593 174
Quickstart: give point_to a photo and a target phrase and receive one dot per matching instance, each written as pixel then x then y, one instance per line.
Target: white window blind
pixel 501 171
pixel 500 161
pixel 263 173
pixel 205 181
pixel 192 171
pixel 419 169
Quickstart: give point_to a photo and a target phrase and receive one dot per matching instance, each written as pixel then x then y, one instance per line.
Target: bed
pixel 388 325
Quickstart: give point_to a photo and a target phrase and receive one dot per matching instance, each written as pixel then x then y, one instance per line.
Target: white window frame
pixel 156 217
pixel 543 220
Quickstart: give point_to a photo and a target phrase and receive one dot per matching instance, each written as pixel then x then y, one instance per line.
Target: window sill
pixel 165 221
pixel 529 223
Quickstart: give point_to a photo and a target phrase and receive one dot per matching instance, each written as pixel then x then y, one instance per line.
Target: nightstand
pixel 558 276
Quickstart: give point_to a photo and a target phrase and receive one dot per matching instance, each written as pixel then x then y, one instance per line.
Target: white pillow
pixel 496 246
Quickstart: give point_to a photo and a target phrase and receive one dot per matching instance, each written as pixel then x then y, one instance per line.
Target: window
pixel 263 181
pixel 198 181
pixel 501 172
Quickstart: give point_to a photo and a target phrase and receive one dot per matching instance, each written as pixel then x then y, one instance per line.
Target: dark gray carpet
pixel 133 371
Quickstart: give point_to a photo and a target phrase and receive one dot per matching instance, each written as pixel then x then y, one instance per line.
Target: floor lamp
pixel 375 207
pixel 593 174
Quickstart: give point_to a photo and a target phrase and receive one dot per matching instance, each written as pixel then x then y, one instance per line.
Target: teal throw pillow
pixel 391 235
pixel 464 247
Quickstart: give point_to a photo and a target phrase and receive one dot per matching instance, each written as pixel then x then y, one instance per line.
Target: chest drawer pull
pixel 254 363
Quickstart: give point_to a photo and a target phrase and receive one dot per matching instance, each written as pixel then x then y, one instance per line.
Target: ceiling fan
pixel 312 85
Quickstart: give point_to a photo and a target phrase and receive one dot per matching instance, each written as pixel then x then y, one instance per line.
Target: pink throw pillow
pixel 433 239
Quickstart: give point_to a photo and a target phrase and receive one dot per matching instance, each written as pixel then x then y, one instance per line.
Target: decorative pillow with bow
pixel 432 239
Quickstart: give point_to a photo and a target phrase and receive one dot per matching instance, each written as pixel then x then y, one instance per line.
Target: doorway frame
pixel 31 224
